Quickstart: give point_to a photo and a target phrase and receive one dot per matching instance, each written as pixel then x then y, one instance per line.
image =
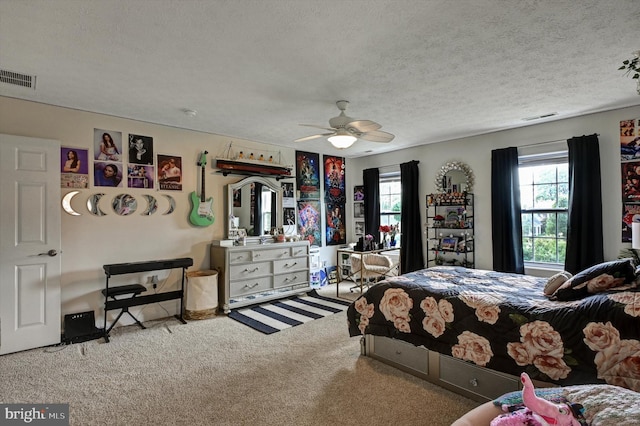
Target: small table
pixel 352 274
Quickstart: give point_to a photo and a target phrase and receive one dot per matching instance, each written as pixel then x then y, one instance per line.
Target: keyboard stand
pixel 110 293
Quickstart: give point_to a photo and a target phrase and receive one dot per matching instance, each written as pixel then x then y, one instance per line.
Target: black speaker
pixel 80 327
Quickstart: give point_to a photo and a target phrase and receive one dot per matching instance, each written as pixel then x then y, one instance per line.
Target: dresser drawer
pixel 239 257
pixel 300 251
pixel 285 280
pixel 402 353
pixel 291 264
pixel 249 270
pixel 487 383
pixel 239 288
pixel 272 254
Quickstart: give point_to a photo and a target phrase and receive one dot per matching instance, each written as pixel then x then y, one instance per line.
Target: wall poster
pixel 107 167
pixel 335 199
pixel 74 167
pixel 630 171
pixel 310 221
pixel 308 175
pixel 169 172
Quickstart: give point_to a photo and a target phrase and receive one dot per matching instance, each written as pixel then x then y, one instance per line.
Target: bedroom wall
pixel 88 241
pixel 476 152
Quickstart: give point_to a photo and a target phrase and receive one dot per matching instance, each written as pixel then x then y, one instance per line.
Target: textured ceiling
pixel 426 70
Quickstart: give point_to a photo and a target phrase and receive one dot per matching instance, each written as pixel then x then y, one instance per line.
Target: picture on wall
pixel 630 181
pixel 140 176
pixel 310 222
pixel 630 214
pixel 358 209
pixel 169 172
pixel 74 167
pixel 107 174
pixel 288 196
pixel 107 145
pixel 630 139
pixel 358 193
pixel 334 180
pixel 336 229
pixel 308 175
pixel 140 149
pixel 359 228
pixel 289 216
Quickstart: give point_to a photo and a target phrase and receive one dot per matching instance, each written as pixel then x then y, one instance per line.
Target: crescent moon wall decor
pixel 152 205
pixel 93 207
pixel 172 204
pixel 66 203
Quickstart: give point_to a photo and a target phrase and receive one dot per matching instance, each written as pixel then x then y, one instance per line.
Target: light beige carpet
pixel 220 372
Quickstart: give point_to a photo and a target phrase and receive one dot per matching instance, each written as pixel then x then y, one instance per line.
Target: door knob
pixel 51 253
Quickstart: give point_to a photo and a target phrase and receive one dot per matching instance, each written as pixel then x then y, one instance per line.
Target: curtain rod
pixel 548 142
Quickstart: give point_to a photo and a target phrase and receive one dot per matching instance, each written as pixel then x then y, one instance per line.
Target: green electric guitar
pixel 202 208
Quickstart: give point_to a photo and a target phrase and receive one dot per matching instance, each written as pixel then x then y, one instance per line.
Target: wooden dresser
pixel 258 272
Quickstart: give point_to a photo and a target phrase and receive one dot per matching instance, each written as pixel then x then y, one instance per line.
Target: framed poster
pixel 448 243
pixel 336 230
pixel 140 149
pixel 169 172
pixel 334 179
pixel 74 167
pixel 358 193
pixel 310 221
pixel 308 175
pixel 358 209
pixel 107 145
pixel 630 139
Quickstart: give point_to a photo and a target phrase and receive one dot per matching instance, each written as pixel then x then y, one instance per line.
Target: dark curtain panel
pixel 257 209
pixel 371 180
pixel 411 258
pixel 584 226
pixel 506 220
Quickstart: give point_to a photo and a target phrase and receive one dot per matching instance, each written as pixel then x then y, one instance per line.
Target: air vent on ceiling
pixel 18 79
pixel 538 117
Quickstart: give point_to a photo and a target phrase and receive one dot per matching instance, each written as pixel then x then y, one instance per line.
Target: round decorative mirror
pixel 454 176
pixel 124 204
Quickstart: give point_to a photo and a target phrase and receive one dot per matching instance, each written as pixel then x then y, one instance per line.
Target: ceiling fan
pixel 345 130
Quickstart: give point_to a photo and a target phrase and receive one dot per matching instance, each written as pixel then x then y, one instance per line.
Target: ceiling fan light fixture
pixel 342 140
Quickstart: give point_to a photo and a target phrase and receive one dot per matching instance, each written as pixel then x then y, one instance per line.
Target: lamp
pixel 342 139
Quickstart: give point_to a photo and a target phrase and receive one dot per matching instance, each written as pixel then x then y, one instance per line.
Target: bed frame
pixel 464 378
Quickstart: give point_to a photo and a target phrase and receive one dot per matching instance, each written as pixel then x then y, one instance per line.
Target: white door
pixel 29 243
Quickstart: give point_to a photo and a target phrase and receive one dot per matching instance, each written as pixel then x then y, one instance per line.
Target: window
pixel 390 199
pixel 544 198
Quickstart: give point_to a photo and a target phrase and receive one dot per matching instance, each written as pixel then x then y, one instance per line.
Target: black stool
pixel 112 292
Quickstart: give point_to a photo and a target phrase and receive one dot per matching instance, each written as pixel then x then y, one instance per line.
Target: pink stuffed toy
pixel 538 411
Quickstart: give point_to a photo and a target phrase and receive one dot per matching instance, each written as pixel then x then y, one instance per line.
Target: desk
pixel 357 275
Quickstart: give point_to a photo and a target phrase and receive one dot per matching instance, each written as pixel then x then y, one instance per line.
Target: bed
pixel 469 328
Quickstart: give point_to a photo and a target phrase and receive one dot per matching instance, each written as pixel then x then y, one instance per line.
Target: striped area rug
pixel 277 315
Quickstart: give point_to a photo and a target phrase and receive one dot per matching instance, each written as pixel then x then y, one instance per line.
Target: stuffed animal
pixel 538 411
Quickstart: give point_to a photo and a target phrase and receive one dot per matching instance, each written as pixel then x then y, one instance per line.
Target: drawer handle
pixel 398 352
pixel 474 382
pixel 256 255
pixel 286 265
pixel 295 277
pixel 253 270
pixel 251 286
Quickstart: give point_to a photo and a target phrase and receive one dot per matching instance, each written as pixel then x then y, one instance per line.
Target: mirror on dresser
pixel 254 205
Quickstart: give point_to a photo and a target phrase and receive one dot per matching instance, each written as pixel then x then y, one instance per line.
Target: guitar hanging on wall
pixel 202 208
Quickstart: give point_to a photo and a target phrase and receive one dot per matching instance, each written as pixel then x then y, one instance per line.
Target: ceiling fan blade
pixel 377 136
pixel 362 126
pixel 308 138
pixel 318 127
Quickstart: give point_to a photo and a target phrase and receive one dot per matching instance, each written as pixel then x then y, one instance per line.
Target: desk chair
pixel 369 268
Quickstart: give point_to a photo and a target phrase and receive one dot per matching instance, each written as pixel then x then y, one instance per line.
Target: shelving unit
pixel 450 232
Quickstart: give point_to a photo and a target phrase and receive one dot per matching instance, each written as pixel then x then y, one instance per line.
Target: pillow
pixel 556 281
pixel 600 277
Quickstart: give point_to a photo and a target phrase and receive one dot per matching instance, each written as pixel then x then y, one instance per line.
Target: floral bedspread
pixel 504 322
